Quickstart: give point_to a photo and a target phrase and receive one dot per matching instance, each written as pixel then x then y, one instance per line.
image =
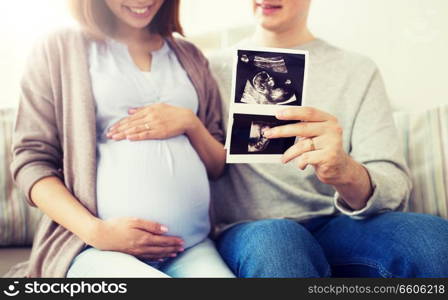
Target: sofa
pixel 424 136
pixel 17 220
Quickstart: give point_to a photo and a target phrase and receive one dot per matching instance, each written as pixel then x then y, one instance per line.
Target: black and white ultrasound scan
pixel 264 82
pixel 258 142
pixel 248 137
pixel 270 78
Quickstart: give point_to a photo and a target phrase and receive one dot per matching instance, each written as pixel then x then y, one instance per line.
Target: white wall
pixel 21 23
pixel 201 16
pixel 407 38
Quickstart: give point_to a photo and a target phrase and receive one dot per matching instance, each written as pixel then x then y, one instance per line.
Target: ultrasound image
pixel 269 78
pixel 248 135
pixel 276 64
pixel 264 90
pixel 257 140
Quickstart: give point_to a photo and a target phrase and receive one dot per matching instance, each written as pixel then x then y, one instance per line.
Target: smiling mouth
pixel 138 10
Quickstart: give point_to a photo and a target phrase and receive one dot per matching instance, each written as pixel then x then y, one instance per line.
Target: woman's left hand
pixel 154 122
pixel 321 145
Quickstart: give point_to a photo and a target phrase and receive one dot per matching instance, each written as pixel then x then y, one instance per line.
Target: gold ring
pixel 313 148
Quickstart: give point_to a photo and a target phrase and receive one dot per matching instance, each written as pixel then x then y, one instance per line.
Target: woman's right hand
pixel 154 122
pixel 137 237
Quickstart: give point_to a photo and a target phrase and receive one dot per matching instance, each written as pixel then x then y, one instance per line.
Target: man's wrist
pixel 356 187
pixel 350 174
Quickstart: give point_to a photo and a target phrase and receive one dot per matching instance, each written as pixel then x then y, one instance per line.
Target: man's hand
pixel 322 147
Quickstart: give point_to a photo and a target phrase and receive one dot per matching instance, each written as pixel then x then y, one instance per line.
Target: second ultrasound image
pixel 248 135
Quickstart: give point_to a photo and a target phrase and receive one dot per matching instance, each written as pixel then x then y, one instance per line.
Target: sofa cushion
pixel 425 139
pixel 12 256
pixel 18 221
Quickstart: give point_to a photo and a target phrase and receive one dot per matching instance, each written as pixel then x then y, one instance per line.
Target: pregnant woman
pixel 117 132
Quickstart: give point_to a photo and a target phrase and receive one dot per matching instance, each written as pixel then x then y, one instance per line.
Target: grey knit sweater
pixel 350 87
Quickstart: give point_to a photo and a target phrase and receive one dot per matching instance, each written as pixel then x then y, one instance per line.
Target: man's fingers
pixel 310 158
pixel 303 129
pixel 305 145
pixel 306 114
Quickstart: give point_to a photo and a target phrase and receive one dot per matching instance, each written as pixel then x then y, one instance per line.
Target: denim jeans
pixel 392 244
pixel 201 260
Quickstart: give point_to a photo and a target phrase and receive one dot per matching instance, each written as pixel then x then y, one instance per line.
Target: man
pixel 332 208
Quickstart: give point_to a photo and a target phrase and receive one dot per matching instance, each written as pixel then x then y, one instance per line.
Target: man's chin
pixel 269 25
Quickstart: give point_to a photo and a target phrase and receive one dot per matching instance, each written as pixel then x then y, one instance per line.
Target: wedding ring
pixel 313 148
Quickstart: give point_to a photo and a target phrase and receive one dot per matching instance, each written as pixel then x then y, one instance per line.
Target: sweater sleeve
pixel 35 147
pixel 375 144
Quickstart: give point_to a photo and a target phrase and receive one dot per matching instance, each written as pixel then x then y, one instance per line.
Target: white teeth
pixel 138 10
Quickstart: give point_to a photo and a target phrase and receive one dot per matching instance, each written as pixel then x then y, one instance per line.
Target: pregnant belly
pixel 161 181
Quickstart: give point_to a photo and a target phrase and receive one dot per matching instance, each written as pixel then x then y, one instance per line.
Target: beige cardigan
pixel 55 134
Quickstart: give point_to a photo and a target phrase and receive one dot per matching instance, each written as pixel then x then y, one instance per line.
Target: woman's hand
pixel 154 122
pixel 322 147
pixel 136 237
pixel 163 121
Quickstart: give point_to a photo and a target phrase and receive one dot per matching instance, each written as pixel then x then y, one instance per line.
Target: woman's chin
pixel 138 25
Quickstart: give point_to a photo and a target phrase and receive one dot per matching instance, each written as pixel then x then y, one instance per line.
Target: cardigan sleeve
pixel 36 149
pixel 198 68
pixel 213 118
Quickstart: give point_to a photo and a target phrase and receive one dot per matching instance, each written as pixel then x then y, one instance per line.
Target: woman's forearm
pixel 210 151
pixel 54 199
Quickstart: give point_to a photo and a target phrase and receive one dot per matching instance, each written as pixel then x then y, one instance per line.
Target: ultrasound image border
pixel 254 157
pixel 258 109
pixel 272 52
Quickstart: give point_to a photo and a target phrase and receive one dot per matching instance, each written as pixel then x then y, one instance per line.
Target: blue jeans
pixel 388 245
pixel 201 260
